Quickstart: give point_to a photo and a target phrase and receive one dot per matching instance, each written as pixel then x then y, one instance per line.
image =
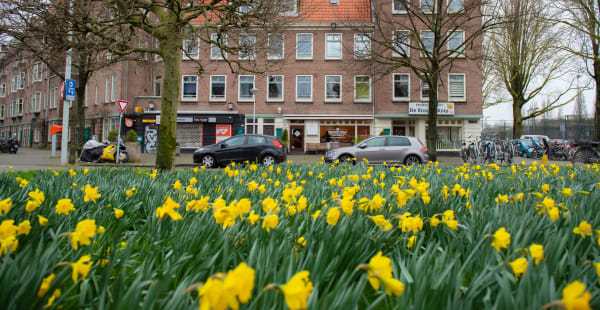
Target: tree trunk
pixel 517 119
pixel 432 116
pixel 597 80
pixel 170 50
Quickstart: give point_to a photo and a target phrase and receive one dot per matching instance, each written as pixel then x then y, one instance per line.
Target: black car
pixel 266 150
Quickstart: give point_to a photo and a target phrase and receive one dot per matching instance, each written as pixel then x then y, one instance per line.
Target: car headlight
pixel 330 153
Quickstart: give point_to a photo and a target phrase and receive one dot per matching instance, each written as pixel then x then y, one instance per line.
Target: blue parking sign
pixel 70 90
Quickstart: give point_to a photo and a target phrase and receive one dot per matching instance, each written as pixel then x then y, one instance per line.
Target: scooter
pixel 96 152
pixel 9 145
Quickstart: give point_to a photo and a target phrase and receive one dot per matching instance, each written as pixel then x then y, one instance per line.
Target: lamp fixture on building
pixel 230 105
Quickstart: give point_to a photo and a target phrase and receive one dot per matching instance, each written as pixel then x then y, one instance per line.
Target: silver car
pixel 377 150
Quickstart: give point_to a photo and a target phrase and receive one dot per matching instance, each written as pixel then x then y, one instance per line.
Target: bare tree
pixel 426 37
pixel 524 53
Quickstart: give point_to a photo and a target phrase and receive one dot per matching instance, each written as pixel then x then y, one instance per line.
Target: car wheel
pixel 268 160
pixel 345 158
pixel 208 161
pixel 412 160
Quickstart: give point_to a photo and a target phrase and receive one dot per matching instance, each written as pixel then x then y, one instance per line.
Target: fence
pixel 567 128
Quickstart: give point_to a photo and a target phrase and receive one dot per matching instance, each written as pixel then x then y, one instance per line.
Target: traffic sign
pixel 122 105
pixel 70 89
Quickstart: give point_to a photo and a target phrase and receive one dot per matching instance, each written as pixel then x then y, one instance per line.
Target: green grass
pixel 446 269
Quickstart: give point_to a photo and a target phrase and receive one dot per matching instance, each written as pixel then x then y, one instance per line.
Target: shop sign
pixel 128 122
pixel 187 119
pixel 222 132
pixel 148 121
pixel 312 128
pixel 422 108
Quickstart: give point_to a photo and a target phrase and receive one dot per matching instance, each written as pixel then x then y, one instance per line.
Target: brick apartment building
pixel 319 81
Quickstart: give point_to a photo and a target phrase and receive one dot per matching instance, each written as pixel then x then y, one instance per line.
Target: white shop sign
pixel 422 108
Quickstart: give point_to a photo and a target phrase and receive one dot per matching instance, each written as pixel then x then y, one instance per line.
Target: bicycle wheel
pixel 586 154
pixel 471 156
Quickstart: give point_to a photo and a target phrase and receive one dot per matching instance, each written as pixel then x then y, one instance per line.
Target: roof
pixel 344 11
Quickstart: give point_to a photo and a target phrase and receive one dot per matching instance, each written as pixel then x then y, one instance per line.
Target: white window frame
pixel 86 98
pixel 36 73
pixel 36 135
pixel 427 11
pixel 107 90
pixel 326 46
pixel 96 96
pixel 3 90
pixel 359 39
pixel 281 99
pixel 355 88
pixel 462 6
pixel 423 42
pixel 19 107
pixel 53 97
pixel 36 102
pixel 13 84
pixel 109 56
pixel 269 56
pixel 196 49
pixel 398 46
pixel 311 89
pixel 183 97
pixel 459 53
pixel 394 11
pixel 213 37
pixel 251 51
pixel 293 12
pixel 401 99
pixel 421 91
pixel 245 99
pixel 157 57
pixel 464 90
pixel 113 88
pixel 301 57
pixel 212 97
pixel 325 89
pixel 21 80
pixel 157 91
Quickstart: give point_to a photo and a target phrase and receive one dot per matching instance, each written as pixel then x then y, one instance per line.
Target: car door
pixel 230 149
pixel 396 149
pixel 371 150
pixel 253 148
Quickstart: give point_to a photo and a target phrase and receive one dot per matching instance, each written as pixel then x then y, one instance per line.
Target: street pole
pixel 67 103
pixel 119 138
pixel 254 91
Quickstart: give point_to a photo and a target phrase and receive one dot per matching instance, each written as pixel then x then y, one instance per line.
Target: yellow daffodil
pixel 501 239
pixel 64 206
pixel 45 286
pixel 91 193
pixel 545 188
pixel 333 215
pixel 168 208
pixel 584 229
pixel 380 272
pixel 519 267
pixel 42 220
pixel 411 242
pixel 119 213
pixel 84 231
pixel 5 206
pixel 270 222
pixel 52 298
pixel 24 228
pixel 537 252
pixel 567 192
pixel 297 290
pixel 316 214
pixel 575 297
pixel 81 267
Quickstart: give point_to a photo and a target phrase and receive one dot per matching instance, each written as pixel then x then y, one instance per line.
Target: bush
pixel 131 136
pixel 112 135
pixel 382 133
pixel 284 136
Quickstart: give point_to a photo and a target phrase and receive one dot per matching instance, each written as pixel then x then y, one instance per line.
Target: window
pixel 303 87
pixel 401 43
pixel 142 55
pixel 157 57
pixel 191 48
pixel 288 8
pixel 190 88
pixel 247 43
pixel 14 84
pixel 397 141
pixel 109 56
pixel 275 88
pixel 253 140
pixel 399 6
pixel 424 91
pixel 215 50
pixel 36 102
pixel 333 88
pixel 113 89
pixel 236 140
pixel 217 87
pixel 36 135
pixel 1 111
pixel 401 86
pixel 19 108
pixel 375 142
pixel 157 85
pixel 333 46
pixel 362 88
pixel 3 90
pixel 275 47
pixel 53 97
pixel 21 80
pixel 107 90
pixel 427 38
pixel 427 6
pixel 86 98
pixel 455 6
pixel 304 42
pixel 362 46
pixel 96 96
pixel 37 72
pixel 456 87
pixel 245 85
pixel 456 40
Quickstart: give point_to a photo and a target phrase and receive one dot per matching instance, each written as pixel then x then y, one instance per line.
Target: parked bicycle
pixel 586 152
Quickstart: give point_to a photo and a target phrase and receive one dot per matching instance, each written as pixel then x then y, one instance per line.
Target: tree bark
pixel 596 51
pixel 432 115
pixel 517 119
pixel 170 49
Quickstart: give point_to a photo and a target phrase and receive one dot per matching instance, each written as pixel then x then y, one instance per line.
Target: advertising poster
pixel 222 132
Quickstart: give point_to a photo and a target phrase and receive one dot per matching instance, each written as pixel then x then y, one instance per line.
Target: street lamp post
pixel 254 91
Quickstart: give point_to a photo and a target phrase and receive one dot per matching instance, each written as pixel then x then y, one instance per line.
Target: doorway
pixel 297 138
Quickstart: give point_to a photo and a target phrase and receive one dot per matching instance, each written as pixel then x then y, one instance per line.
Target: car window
pixel 375 142
pixel 397 141
pixel 235 141
pixel 256 140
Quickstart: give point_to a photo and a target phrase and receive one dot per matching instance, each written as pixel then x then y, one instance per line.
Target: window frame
pixel 338 100
pixel 400 99
pixel 36 73
pixel 183 96
pixel 433 5
pixel 311 89
pixel 157 80
pixel 327 57
pixel 299 57
pixel 464 88
pixel 212 98
pixel 113 88
pixel 36 102
pixel 188 56
pixel 281 98
pixel 462 6
pixel 251 52
pixel 395 11
pixel 458 53
pixel 423 42
pixel 2 90
pixel 368 54
pixel 2 111
pixel 107 90
pixel 240 99
pixel 21 80
pixel 222 54
pixel 269 57
pixel 397 46
pixel 355 88
pixel 423 99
